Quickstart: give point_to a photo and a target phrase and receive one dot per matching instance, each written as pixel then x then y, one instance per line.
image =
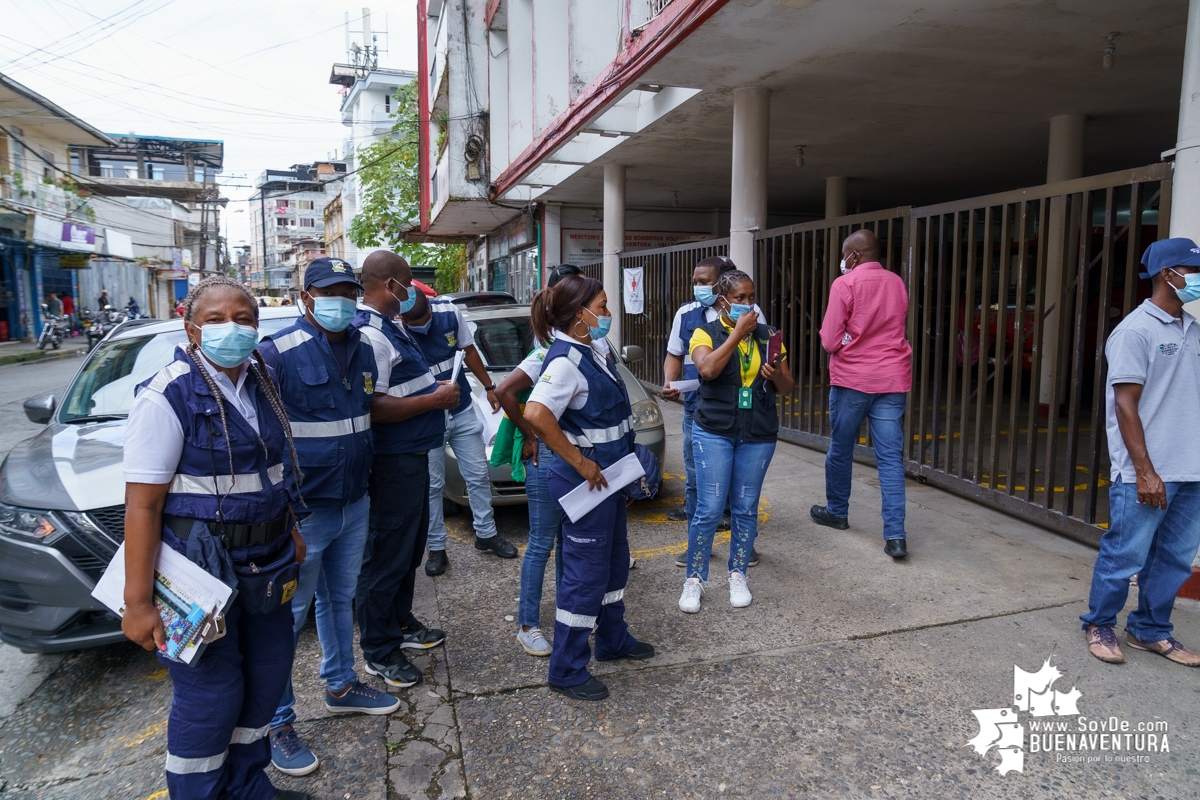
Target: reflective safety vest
pixel 410 377
pixel 330 412
pixel 691 317
pixel 440 343
pixel 603 428
pixel 202 488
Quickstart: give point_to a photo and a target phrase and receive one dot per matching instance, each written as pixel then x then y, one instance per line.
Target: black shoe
pixel 640 652
pixel 592 690
pixel 498 545
pixel 896 548
pixel 436 563
pixel 724 525
pixel 753 562
pixel 421 638
pixel 678 514
pixel 290 794
pixel 398 671
pixel 821 516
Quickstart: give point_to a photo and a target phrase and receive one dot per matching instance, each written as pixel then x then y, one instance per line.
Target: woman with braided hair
pixel 207 470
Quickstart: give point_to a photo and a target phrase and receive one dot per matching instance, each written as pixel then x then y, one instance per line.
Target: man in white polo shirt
pixel 1154 500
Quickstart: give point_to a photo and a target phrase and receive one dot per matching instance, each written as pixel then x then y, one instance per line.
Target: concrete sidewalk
pixel 16 352
pixel 850 676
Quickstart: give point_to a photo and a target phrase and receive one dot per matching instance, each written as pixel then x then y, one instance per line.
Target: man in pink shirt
pixel 870 372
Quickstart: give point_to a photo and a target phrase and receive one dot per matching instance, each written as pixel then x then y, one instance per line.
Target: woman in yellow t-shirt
pixel 734 433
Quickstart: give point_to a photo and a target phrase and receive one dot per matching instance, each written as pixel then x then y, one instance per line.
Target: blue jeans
pixel 545 534
pixel 334 538
pixel 464 432
pixel 1158 546
pixel 885 415
pixel 727 470
pixel 689 468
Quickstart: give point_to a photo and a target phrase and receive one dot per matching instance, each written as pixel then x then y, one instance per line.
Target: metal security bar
pixel 1012 297
pixel 795 267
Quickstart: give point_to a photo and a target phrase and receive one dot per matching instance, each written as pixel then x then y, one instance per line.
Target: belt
pixel 232 535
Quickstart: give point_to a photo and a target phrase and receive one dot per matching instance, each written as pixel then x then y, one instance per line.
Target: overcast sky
pixel 252 73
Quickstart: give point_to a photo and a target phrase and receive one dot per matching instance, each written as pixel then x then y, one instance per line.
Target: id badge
pixel 745 397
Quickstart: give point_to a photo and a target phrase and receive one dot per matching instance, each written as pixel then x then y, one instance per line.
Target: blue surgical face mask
pixel 227 344
pixel 333 313
pixel 603 326
pixel 1191 288
pixel 704 295
pixel 420 328
pixel 409 300
pixel 737 309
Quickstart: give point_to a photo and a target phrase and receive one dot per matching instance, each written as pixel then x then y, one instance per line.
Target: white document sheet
pixel 182 592
pixel 491 422
pixel 458 362
pixel 581 500
pixel 685 386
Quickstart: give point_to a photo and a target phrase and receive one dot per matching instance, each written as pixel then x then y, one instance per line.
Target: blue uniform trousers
pixel 592 590
pixel 216 734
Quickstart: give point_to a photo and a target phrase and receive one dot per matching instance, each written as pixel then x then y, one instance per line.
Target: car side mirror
pixel 40 409
pixel 632 353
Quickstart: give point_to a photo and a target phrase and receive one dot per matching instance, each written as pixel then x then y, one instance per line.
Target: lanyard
pixel 746 356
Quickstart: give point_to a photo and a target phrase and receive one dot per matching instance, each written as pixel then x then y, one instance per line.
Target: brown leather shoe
pixel 1102 643
pixel 1168 648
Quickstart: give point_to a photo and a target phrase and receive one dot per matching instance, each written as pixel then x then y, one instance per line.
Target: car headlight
pixel 646 415
pixel 26 523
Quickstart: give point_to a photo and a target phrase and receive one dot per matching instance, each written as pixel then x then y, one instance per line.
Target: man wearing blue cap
pixel 326 376
pixel 1154 501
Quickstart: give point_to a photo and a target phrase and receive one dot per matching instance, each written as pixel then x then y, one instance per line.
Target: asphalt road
pixel 21 674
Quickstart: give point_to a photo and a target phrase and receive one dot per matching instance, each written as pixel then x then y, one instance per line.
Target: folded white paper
pixel 685 386
pixel 581 499
pixel 458 362
pixel 490 421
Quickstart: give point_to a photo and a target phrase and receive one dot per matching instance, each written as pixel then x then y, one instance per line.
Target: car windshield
pixel 503 341
pixel 104 389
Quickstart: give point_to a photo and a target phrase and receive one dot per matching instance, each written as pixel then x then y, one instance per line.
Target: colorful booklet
pixel 191 602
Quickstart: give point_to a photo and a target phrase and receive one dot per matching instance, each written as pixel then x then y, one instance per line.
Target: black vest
pixel 718 412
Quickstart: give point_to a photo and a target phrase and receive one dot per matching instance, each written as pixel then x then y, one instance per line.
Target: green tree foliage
pixel 389 173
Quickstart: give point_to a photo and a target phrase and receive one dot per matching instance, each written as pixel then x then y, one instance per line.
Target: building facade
pixel 287 228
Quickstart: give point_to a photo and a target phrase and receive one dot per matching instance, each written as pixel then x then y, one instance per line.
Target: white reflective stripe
pixel 275 473
pixel 169 373
pixel 578 441
pixel 340 427
pixel 575 355
pixel 205 484
pixel 574 620
pixel 444 366
pixel 612 597
pixel 293 339
pixel 606 435
pixel 190 766
pixel 409 387
pixel 248 735
pixel 687 359
pixel 375 321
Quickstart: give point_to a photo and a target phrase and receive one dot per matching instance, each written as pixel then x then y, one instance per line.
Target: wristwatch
pixel 491 388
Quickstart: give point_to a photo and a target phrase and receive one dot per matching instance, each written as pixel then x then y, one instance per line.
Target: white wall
pixel 594 37
pixel 551 64
pixel 520 77
pixel 582 230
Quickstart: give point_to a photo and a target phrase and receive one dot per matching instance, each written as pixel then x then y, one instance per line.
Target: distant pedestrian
pixel 735 428
pixel 68 308
pixel 1154 500
pixel 54 306
pixel 132 308
pixel 103 302
pixel 870 372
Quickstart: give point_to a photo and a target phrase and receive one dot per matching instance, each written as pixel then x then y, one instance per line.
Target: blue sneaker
pixel 289 755
pixel 361 699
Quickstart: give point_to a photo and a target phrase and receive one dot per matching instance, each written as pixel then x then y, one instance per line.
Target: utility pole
pixel 203 230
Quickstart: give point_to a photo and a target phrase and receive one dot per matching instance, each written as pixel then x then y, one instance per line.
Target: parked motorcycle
pixel 95 326
pixel 52 330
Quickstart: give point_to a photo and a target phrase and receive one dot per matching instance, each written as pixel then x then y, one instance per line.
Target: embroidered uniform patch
pixel 452 339
pixel 368 383
pixel 1168 348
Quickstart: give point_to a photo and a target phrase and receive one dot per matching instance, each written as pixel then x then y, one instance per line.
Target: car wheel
pixel 450 508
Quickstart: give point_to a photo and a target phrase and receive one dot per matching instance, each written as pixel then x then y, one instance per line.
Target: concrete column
pixel 551 239
pixel 1185 191
pixel 748 199
pixel 1064 161
pixel 614 243
pixel 835 197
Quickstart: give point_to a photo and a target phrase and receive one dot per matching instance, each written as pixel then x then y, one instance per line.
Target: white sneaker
pixel 739 595
pixel 689 601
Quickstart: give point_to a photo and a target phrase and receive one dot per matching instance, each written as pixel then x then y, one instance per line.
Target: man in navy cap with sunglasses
pixel 1154 500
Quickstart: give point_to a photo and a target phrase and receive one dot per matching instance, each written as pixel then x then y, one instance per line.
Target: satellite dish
pixel 354 47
